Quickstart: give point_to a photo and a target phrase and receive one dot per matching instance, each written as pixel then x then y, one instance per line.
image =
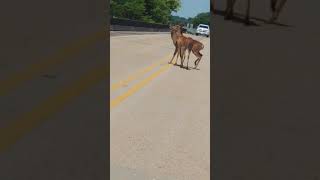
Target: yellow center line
pixel 16 79
pixel 135 76
pixel 30 120
pixel 141 84
pixel 116 101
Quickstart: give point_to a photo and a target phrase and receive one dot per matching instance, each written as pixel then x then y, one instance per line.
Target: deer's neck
pixel 174 37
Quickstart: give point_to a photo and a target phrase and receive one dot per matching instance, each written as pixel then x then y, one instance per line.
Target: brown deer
pixel 194 46
pixel 276 8
pixel 183 43
pixel 179 42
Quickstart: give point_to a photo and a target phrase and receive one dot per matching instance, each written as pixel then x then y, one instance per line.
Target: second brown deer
pixel 194 46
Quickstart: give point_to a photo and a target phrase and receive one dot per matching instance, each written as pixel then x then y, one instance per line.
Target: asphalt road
pixel 266 95
pixel 160 113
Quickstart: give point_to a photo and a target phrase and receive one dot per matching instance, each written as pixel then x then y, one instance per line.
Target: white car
pixel 203 29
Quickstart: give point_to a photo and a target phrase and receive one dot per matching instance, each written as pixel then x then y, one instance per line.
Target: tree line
pixel 201 18
pixel 152 11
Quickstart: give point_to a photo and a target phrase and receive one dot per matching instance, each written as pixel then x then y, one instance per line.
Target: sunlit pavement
pixel 160 113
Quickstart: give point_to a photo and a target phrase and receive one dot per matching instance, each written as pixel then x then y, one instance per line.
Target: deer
pixel 194 46
pixel 275 5
pixel 179 42
pixel 184 43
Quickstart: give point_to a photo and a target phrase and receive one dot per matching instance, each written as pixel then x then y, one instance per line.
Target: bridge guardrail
pixel 119 24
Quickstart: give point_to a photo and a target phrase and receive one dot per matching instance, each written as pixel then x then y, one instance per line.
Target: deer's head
pixel 177 29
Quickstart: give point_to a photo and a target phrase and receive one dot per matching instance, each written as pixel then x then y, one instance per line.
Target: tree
pixel 158 11
pixel 201 18
pixel 180 20
pixel 132 9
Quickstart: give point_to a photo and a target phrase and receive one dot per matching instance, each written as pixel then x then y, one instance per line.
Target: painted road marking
pixel 141 84
pixel 30 120
pixel 138 74
pixel 116 101
pixel 15 80
pixel 135 76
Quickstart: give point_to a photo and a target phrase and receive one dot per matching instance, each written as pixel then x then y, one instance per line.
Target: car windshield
pixel 202 26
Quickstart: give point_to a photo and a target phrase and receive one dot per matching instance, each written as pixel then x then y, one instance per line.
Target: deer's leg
pixel 277 10
pixel 212 6
pixel 273 4
pixel 188 59
pixel 196 53
pixel 182 55
pixel 280 7
pixel 233 2
pixel 178 54
pixel 199 56
pixel 229 9
pixel 247 20
pixel 198 61
pixel 174 54
pixel 273 9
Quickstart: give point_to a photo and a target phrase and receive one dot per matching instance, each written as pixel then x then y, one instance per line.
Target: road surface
pixel 160 113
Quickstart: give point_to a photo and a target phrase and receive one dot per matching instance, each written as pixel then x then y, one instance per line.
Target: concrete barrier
pixel 117 24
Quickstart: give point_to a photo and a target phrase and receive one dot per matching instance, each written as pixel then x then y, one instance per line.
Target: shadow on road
pixel 184 67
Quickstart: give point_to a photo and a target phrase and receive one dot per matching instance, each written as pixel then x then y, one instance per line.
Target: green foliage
pixel 156 11
pixel 179 20
pixel 133 9
pixel 202 18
